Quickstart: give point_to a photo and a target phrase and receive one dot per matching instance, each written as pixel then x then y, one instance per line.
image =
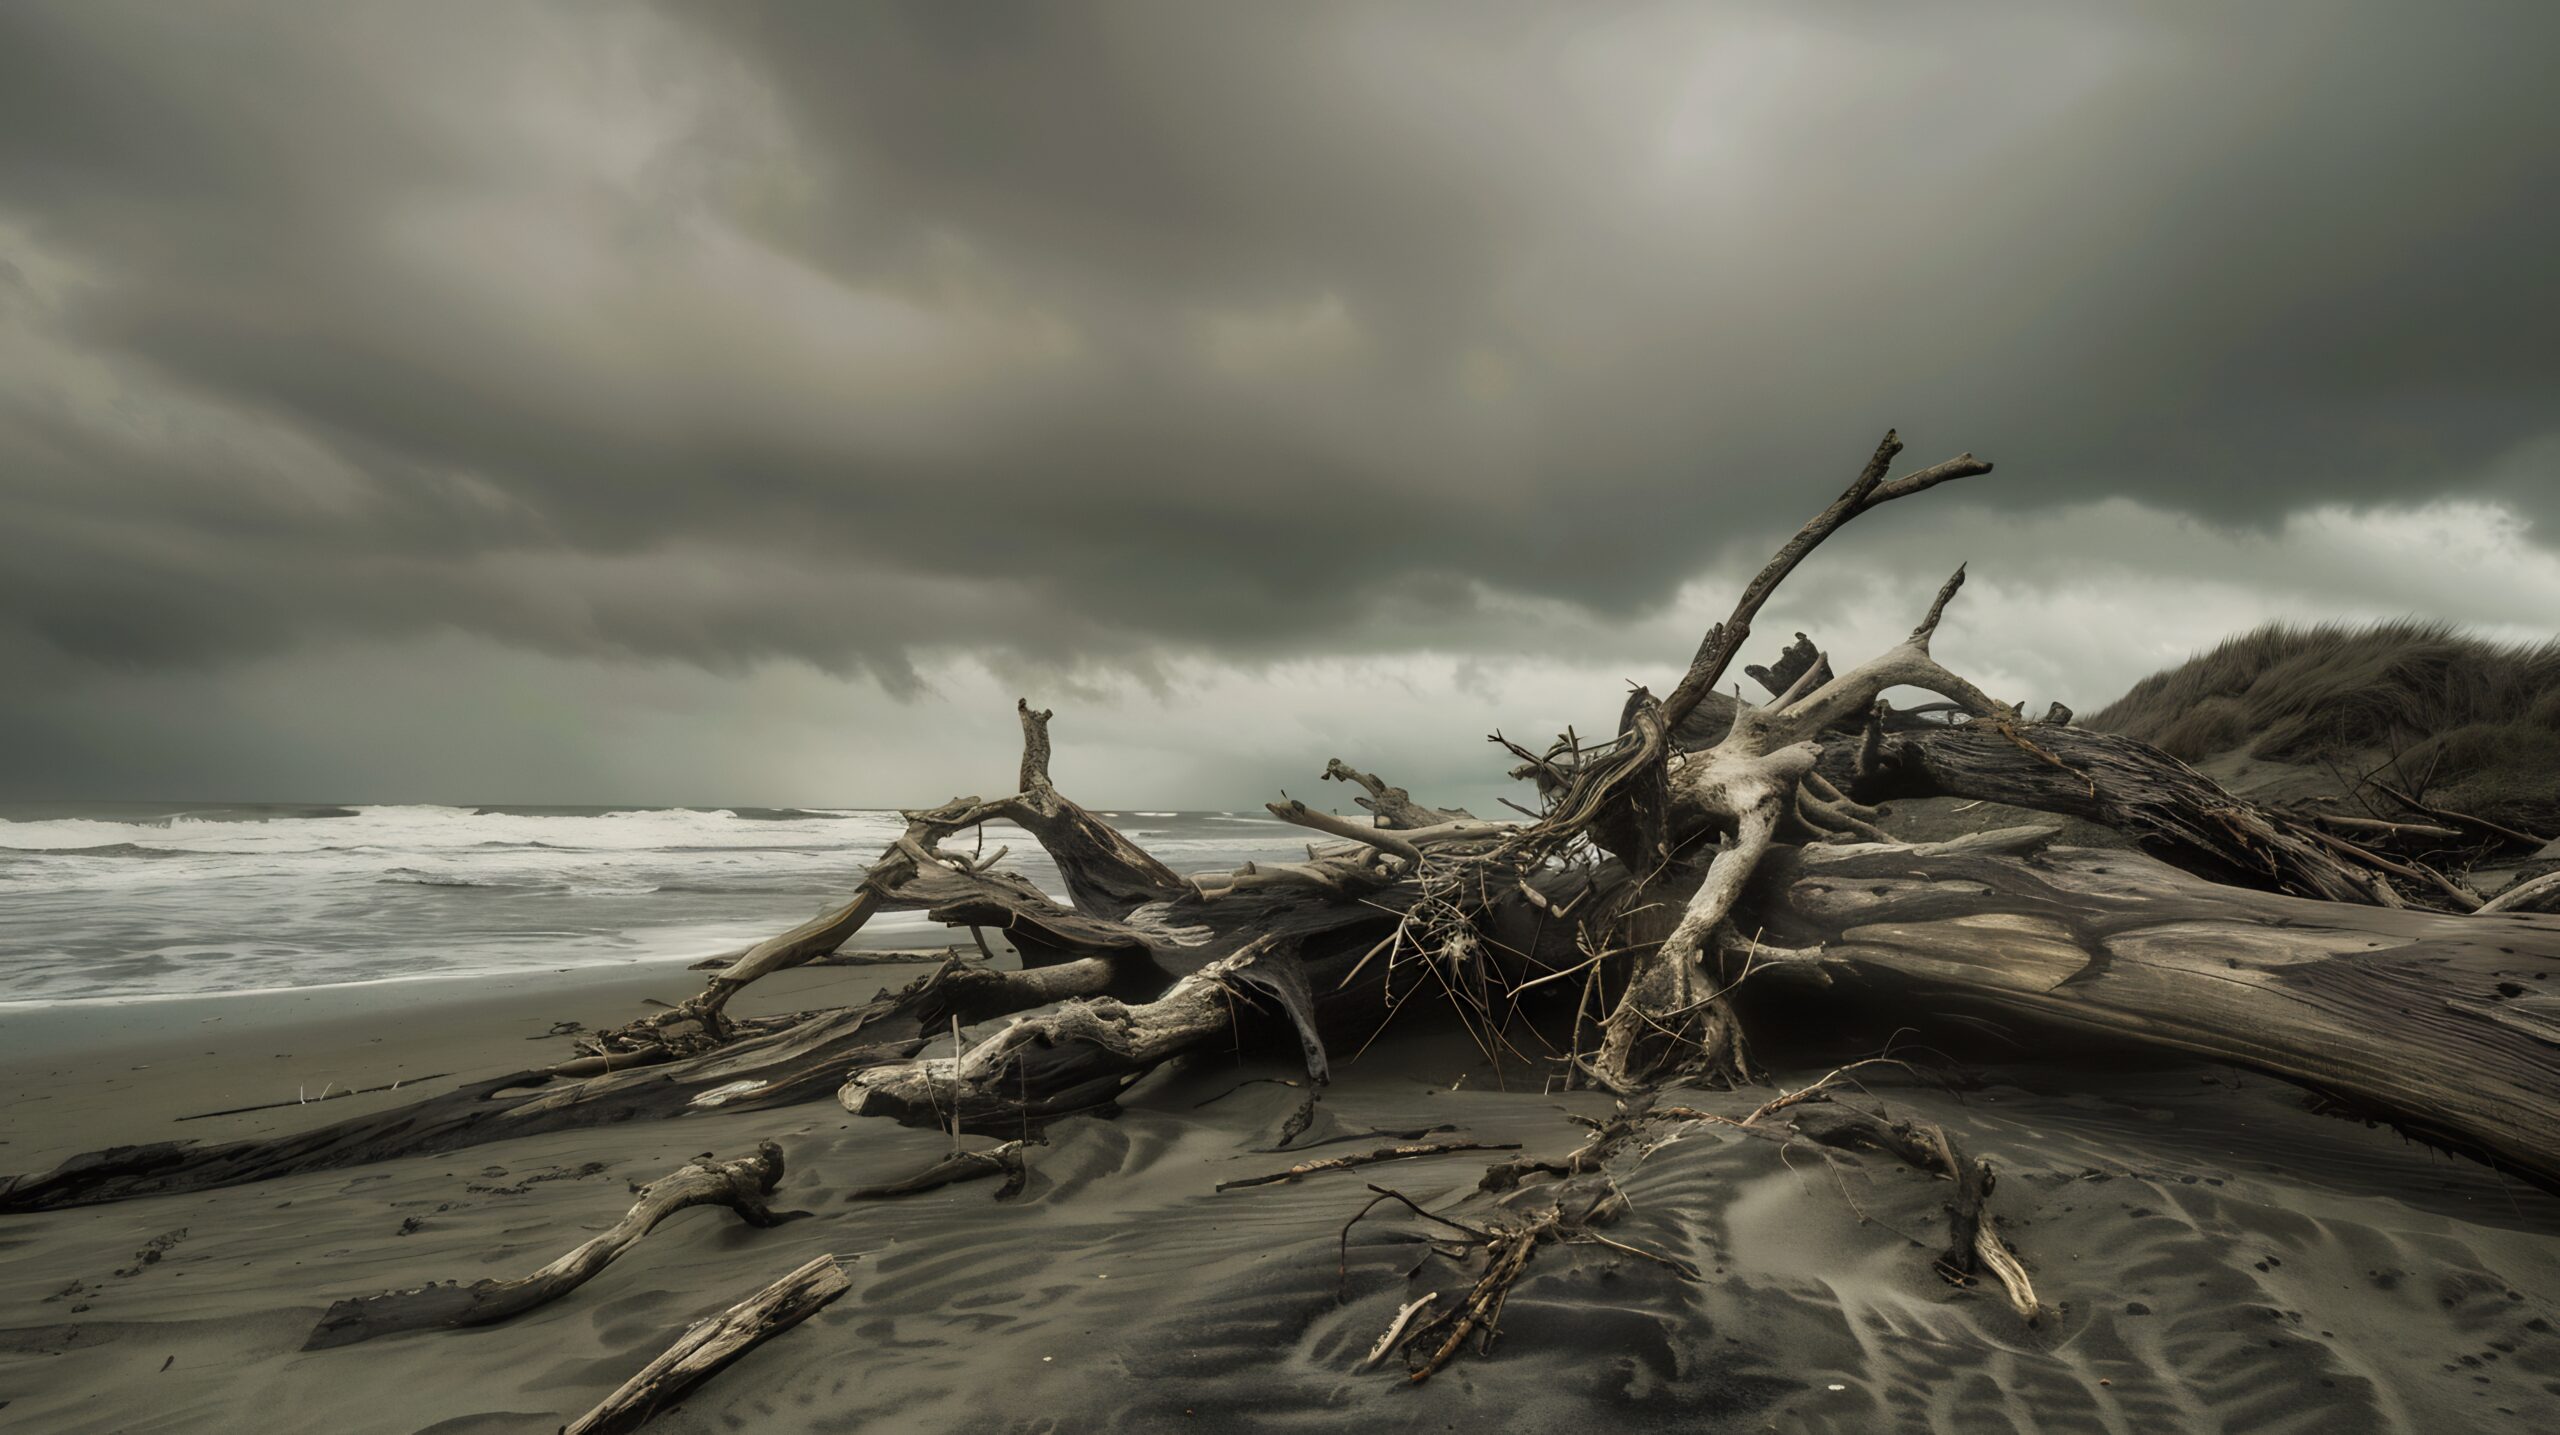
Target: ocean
pixel 122 901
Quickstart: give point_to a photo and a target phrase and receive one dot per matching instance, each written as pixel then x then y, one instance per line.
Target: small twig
pixel 1383 1153
pixel 1241 1085
pixel 324 1096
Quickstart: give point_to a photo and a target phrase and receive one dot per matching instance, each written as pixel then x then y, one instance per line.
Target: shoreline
pixel 119 1073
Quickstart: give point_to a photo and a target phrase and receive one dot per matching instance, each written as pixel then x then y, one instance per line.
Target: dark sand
pixel 2223 1258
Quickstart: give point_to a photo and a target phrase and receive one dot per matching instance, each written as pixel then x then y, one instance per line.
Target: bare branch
pixel 711 1345
pixel 1865 492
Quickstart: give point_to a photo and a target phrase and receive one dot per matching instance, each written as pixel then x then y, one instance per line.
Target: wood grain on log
pixel 710 1346
pixel 2440 1024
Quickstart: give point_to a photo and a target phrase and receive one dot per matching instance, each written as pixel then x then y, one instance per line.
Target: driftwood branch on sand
pixel 740 1185
pixel 711 1345
pixel 1711 870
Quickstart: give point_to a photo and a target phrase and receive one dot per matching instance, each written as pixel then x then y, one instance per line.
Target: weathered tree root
pixel 1108 878
pixel 1080 1056
pixel 1671 1020
pixel 1972 1247
pixel 1006 1160
pixel 711 1345
pixel 740 1185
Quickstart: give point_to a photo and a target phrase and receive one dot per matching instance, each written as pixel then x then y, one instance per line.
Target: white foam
pixel 231 900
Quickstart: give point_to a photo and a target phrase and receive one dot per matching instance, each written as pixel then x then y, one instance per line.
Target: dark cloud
pixel 1136 334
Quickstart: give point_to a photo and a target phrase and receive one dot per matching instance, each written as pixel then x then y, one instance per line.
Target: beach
pixel 2215 1254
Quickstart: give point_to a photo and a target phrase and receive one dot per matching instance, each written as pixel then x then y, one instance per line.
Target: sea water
pixel 126 901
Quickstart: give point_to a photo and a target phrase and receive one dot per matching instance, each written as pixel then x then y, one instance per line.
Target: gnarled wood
pixel 1750 784
pixel 1867 491
pixel 1076 1058
pixel 1393 806
pixel 800 1060
pixel 1106 873
pixel 740 1185
pixel 710 1346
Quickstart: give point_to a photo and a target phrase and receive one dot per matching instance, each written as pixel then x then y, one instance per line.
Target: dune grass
pixel 2478 720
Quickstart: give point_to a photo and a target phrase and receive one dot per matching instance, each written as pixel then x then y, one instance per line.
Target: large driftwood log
pixel 740 1185
pixel 804 1060
pixel 2446 1026
pixel 710 1346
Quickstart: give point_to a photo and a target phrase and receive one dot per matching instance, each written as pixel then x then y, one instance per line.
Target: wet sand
pixel 2221 1257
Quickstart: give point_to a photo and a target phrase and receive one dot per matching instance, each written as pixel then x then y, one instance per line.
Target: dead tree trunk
pixel 2446 1026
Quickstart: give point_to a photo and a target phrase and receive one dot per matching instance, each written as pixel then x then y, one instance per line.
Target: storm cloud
pixel 615 384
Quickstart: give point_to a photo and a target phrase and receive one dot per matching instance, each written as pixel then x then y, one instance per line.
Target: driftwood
pixel 800 1059
pixel 1392 806
pixel 2440 1024
pixel 709 1346
pixel 729 960
pixel 1005 1160
pixel 1145 964
pixel 740 1185
pixel 1680 872
pixel 1366 1158
pixel 1075 1059
pixel 1581 1200
pixel 2539 894
pixel 2168 808
pixel 1973 1249
pixel 338 1095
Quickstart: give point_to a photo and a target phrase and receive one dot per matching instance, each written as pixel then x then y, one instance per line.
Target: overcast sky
pixel 743 402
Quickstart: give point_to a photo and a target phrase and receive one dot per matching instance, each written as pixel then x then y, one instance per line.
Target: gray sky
pixel 740 403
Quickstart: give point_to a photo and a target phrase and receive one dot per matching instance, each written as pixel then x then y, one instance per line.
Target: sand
pixel 2223 1258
